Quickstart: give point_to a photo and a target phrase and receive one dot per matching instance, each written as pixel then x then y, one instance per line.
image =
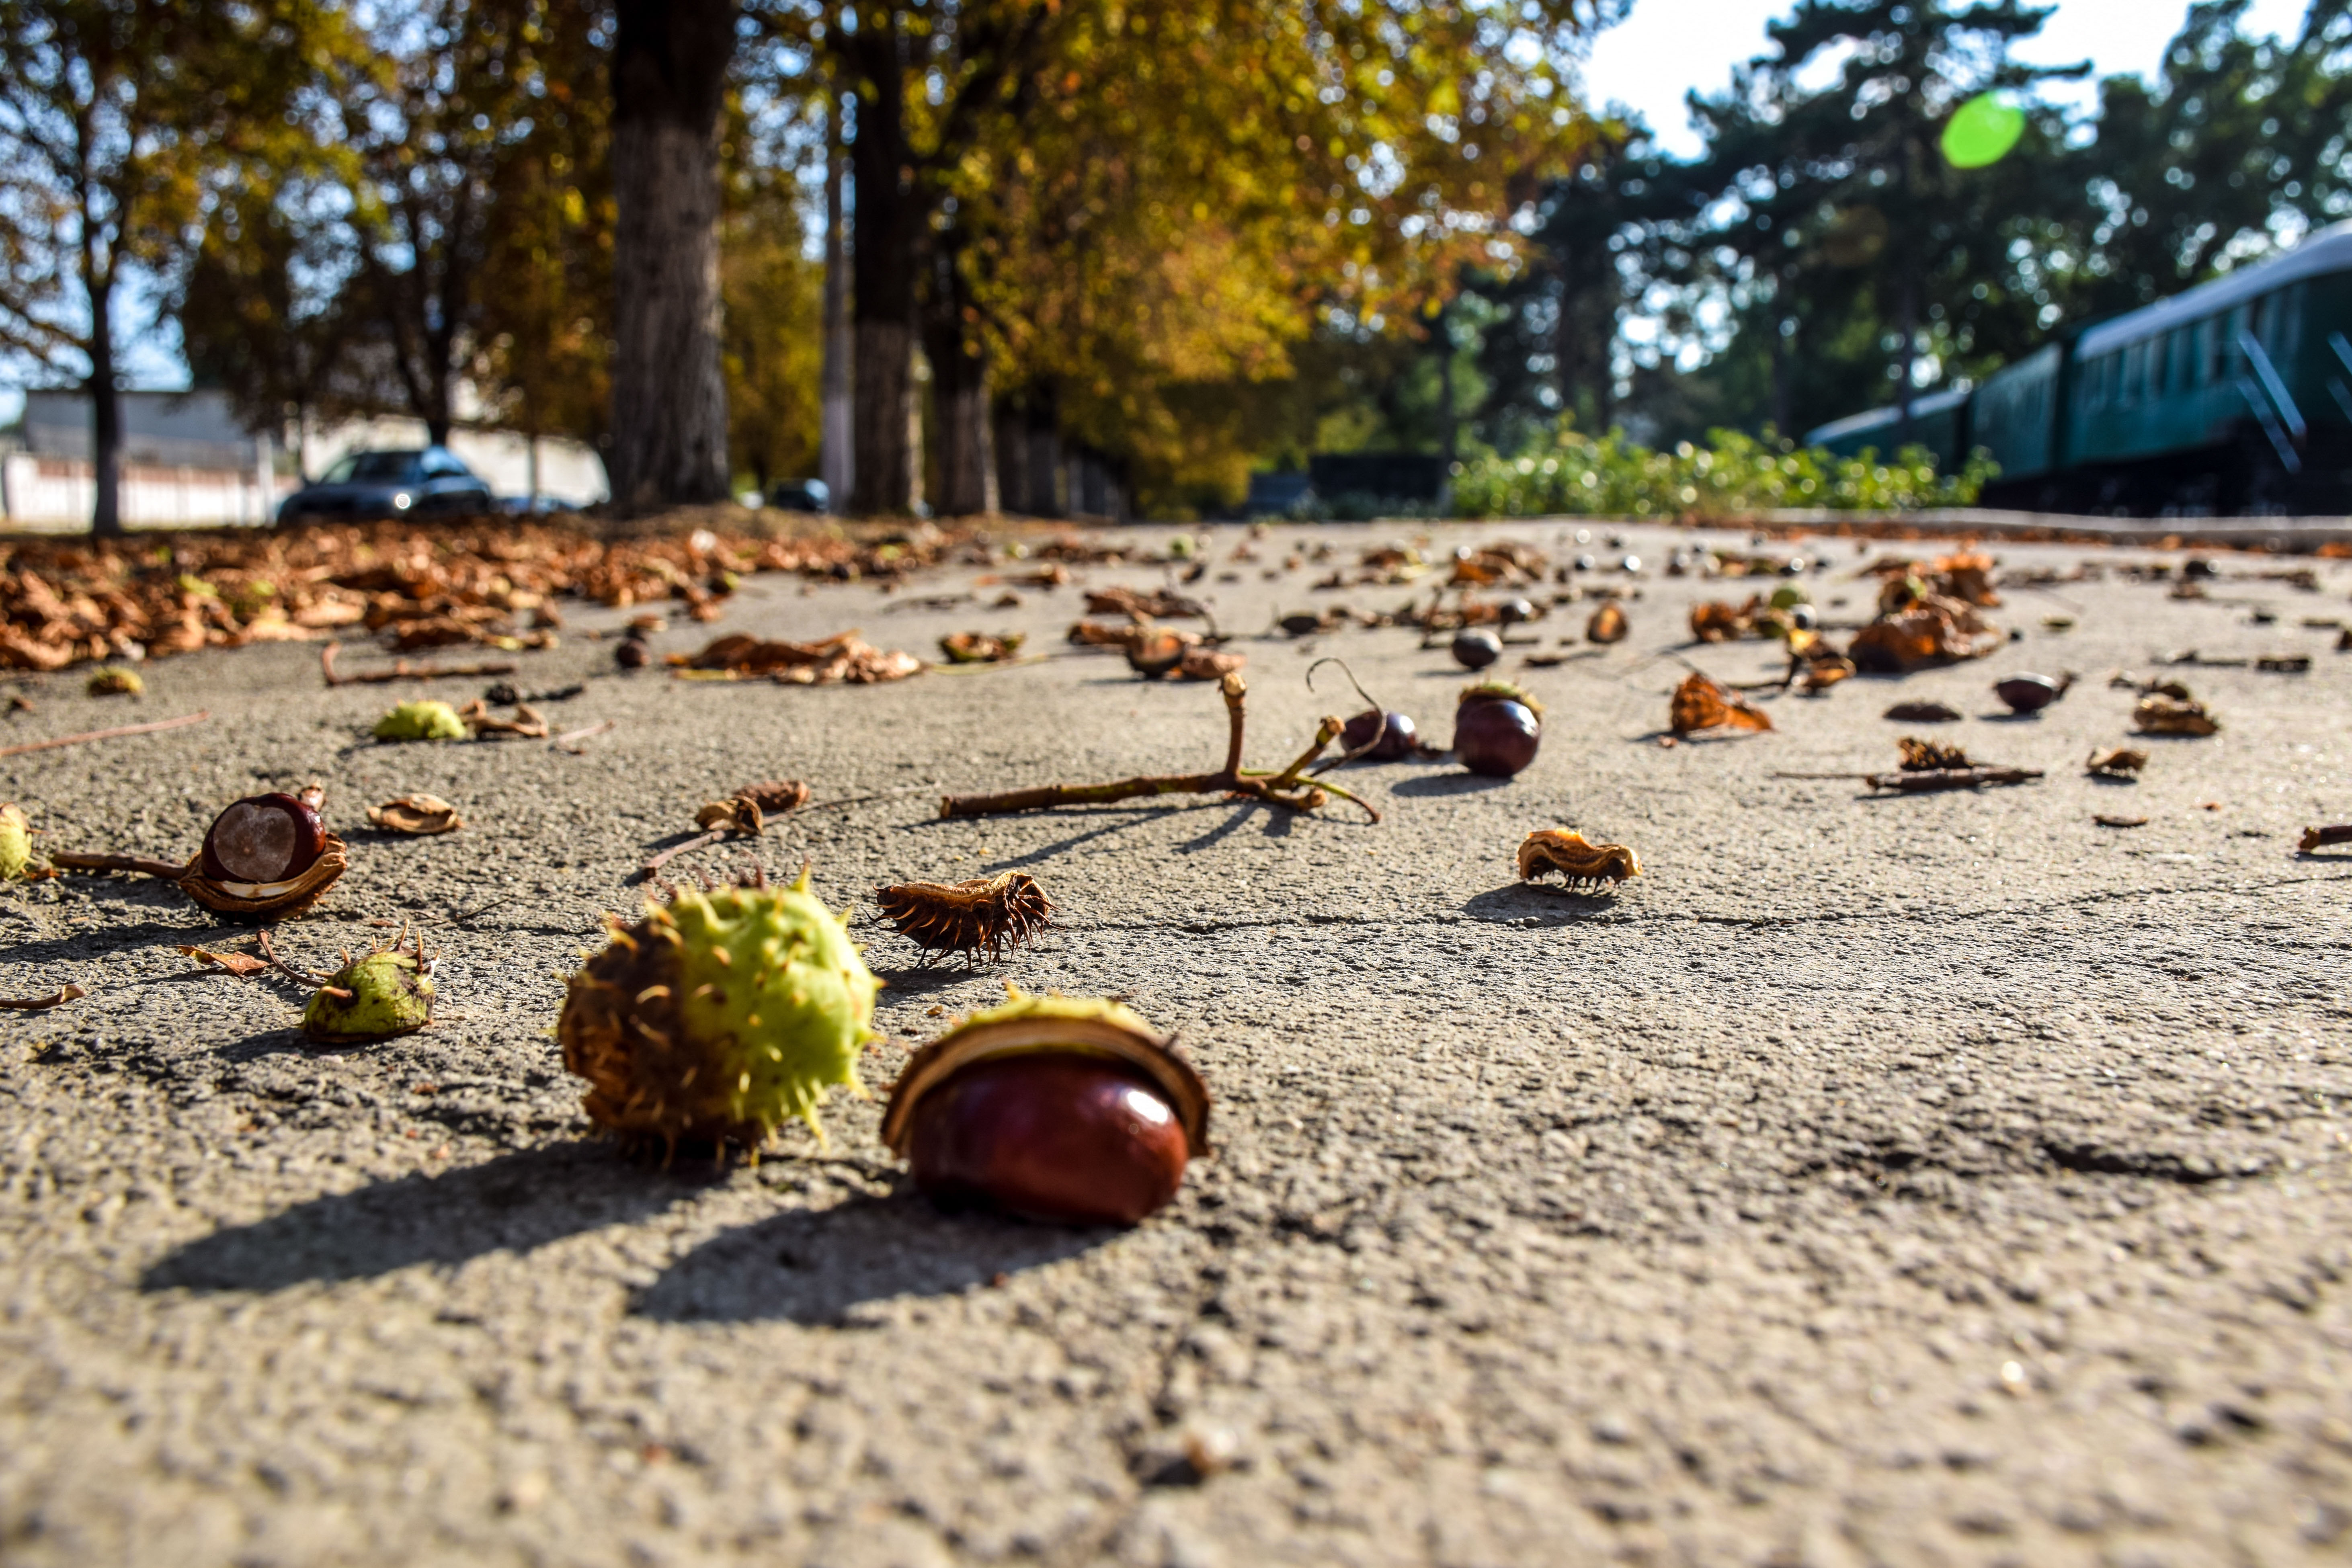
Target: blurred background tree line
pixel 1193 239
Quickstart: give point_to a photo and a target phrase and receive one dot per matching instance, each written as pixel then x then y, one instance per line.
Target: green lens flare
pixel 1982 131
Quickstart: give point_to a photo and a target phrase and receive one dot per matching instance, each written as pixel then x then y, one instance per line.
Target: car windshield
pixel 374 468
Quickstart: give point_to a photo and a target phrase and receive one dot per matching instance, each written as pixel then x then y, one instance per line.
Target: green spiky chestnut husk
pixel 388 992
pixel 718 1016
pixel 113 680
pixel 16 842
pixel 421 721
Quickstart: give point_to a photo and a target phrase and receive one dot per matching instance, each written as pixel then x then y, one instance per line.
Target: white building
pixel 186 462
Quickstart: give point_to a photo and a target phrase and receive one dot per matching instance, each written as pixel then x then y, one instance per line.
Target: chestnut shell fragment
pixel 1056 1109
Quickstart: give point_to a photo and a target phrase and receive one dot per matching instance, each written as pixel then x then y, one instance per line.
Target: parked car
pixel 534 506
pixel 800 495
pixel 427 482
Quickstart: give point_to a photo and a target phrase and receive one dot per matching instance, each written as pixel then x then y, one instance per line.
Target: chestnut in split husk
pixel 1497 728
pixel 268 854
pixel 2031 693
pixel 1060 1108
pixel 1476 647
pixel 1380 735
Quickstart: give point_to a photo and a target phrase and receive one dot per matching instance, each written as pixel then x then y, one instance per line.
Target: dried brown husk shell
pixel 2165 716
pixel 2116 762
pixel 1926 756
pixel 527 724
pixel 1153 1055
pixel 985 914
pixel 1574 856
pixel 262 900
pixel 735 814
pixel 417 813
pixel 1608 624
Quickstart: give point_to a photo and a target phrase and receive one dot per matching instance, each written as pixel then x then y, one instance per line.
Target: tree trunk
pixel 1783 415
pixel 1028 455
pixel 836 462
pixel 884 270
pixel 669 396
pixel 1449 432
pixel 960 399
pixel 105 418
pixel 1906 356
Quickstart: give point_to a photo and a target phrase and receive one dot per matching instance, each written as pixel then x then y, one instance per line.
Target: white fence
pixel 57 495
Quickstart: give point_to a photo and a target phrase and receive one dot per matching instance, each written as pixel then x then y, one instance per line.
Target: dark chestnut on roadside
pixel 1390 735
pixel 1497 728
pixel 1516 612
pixel 264 838
pixel 1062 1108
pixel 265 854
pixel 1475 647
pixel 2031 693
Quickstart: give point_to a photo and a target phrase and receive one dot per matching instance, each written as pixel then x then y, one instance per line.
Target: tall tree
pixel 119 120
pixel 671 61
pixel 2238 144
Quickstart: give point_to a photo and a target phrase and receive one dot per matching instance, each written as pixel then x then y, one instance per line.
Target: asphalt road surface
pixel 1935 1180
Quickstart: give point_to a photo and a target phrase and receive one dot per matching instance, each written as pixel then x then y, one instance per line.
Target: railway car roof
pixel 1870 418
pixel 2329 250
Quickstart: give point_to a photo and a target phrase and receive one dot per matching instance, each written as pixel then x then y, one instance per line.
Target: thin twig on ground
pixel 1288 788
pixel 197 718
pixel 403 671
pixel 35 1004
pixel 73 860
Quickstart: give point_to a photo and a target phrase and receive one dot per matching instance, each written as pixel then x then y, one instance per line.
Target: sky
pixel 1664 49
pixel 1669 47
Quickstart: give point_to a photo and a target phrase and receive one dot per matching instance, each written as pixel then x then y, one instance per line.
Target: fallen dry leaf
pixel 2121 821
pixel 36 1003
pixel 417 813
pixel 1700 704
pixel 240 964
pixel 2169 716
pixel 2116 762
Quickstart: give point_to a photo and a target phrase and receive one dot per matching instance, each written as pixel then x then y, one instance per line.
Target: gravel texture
pixel 1926 1180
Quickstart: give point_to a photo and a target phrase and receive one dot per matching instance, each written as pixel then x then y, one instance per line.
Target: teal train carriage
pixel 2233 397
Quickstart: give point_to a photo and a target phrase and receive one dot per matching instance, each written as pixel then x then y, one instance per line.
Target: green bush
pixel 1736 474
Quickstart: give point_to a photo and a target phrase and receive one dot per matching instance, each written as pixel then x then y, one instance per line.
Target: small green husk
pixel 424 720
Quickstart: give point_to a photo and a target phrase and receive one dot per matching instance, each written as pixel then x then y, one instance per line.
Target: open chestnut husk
pixel 1497 728
pixel 1067 1110
pixel 266 854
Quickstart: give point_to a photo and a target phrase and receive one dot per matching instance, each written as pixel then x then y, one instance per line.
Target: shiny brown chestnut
pixel 264 838
pixel 1065 1110
pixel 1497 728
pixel 266 854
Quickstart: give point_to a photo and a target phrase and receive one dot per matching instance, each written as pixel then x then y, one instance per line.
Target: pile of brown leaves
pixel 847 658
pixel 66 601
pixel 1932 629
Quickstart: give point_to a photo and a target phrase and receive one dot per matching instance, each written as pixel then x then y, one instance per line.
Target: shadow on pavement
pixel 110 939
pixel 1521 902
pixel 1447 784
pixel 514 1203
pixel 812 1265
